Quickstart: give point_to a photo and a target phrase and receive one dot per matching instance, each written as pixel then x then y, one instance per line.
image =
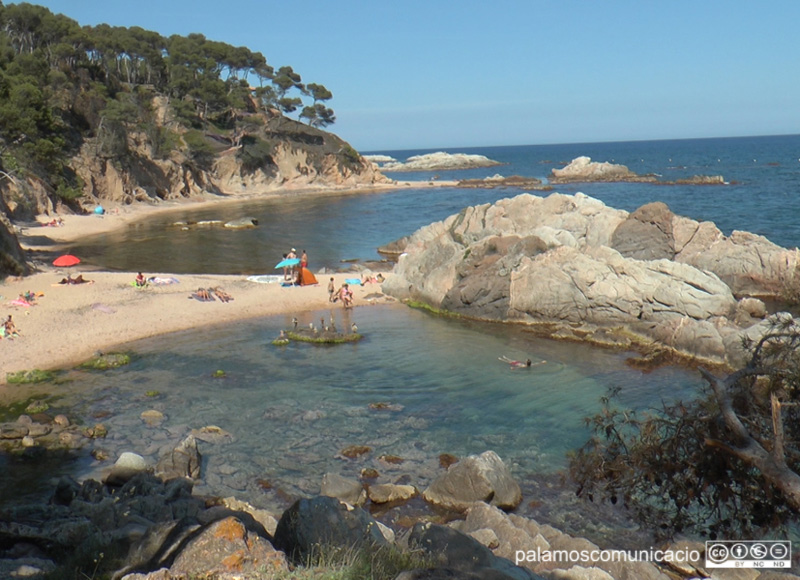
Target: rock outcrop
pixel 584 170
pixel 12 257
pixel 439 161
pixel 576 268
pixel 497 181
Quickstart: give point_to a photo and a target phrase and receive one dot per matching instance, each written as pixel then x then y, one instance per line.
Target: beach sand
pixel 69 323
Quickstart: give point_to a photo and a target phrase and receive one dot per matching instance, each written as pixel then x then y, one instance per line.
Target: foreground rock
pixel 149 529
pixel 575 268
pixel 320 521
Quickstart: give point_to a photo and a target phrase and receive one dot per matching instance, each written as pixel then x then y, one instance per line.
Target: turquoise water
pixel 291 410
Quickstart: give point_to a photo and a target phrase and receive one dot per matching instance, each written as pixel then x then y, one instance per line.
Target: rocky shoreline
pixel 148 525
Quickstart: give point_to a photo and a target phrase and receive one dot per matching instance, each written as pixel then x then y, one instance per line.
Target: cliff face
pixel 12 257
pixel 300 156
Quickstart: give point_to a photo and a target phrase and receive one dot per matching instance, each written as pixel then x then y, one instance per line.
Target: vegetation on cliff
pixel 62 84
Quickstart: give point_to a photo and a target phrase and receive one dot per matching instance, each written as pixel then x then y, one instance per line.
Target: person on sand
pixel 331 290
pixel 520 364
pixel 140 280
pixel 10 328
pixel 222 295
pixel 291 273
pixel 203 295
pixel 304 260
pixel 79 280
pixel 346 295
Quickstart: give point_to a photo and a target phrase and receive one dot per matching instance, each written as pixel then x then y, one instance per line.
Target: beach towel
pixel 197 296
pixel 266 279
pixel 353 281
pixel 20 302
pixel 159 281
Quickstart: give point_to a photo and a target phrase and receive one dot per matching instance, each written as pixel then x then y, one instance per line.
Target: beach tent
pixel 306 278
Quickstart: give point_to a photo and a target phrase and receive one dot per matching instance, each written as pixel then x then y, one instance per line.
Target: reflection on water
pixel 291 410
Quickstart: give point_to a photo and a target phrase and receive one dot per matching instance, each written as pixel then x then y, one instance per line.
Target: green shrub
pixel 200 150
pixel 255 153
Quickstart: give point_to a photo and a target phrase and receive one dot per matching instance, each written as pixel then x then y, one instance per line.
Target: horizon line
pixel 760 136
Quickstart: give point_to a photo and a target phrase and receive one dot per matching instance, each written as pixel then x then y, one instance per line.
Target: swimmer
pixel 520 364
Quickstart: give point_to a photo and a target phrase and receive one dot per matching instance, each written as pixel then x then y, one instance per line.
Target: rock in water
pixel 481 477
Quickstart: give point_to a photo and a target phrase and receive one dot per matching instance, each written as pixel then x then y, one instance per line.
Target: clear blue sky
pixel 433 74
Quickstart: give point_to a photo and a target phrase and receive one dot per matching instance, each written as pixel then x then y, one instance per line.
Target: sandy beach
pixel 69 323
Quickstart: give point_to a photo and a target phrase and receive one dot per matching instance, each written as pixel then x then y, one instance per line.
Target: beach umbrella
pixel 66 260
pixel 287 262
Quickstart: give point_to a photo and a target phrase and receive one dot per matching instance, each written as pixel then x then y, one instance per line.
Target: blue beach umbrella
pixel 287 262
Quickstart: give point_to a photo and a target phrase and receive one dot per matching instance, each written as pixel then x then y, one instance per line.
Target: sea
pixel 418 385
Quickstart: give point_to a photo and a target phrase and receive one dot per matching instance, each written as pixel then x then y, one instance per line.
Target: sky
pixel 435 74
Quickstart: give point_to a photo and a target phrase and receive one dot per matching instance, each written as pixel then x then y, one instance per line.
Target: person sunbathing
pixel 78 280
pixel 203 294
pixel 222 295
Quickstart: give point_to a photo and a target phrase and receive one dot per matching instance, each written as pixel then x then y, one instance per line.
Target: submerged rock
pixel 347 490
pixel 241 223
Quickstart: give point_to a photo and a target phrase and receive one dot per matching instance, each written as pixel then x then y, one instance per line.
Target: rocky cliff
pixel 575 268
